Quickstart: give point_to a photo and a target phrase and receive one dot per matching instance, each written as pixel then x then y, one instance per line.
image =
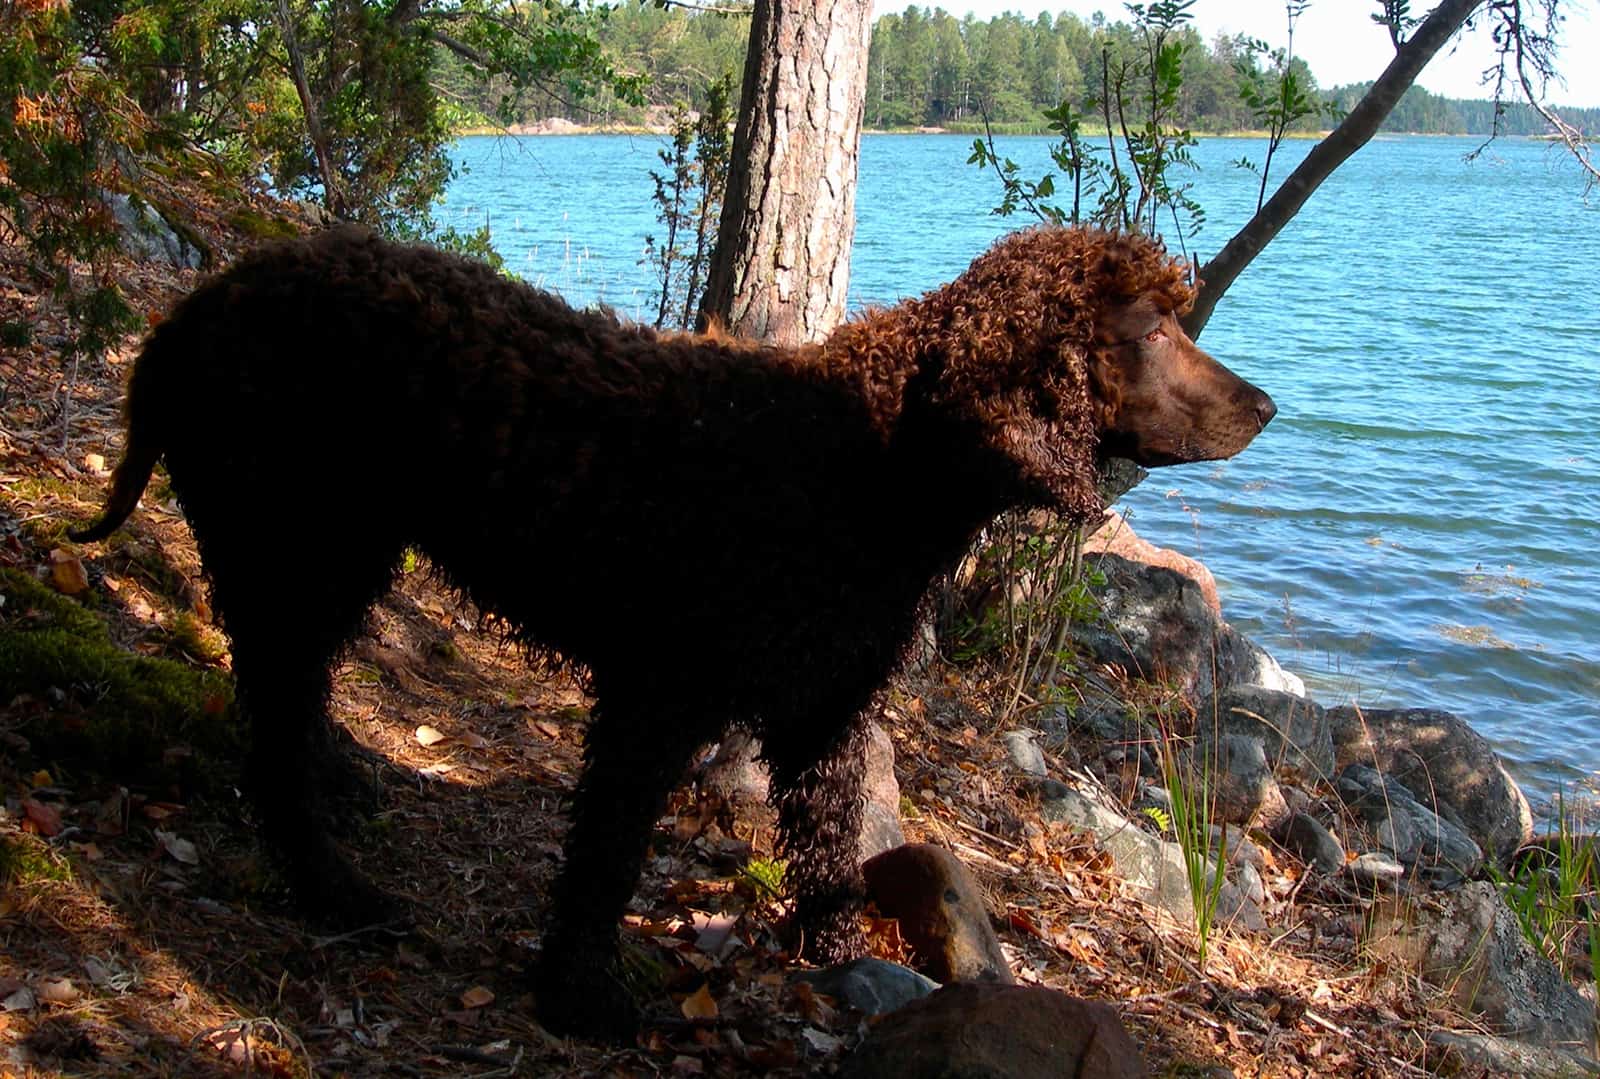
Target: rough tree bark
pixel 1351 135
pixel 781 266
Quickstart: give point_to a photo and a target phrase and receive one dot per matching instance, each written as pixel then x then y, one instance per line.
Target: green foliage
pixel 335 100
pixel 1189 795
pixel 117 710
pixel 63 119
pixel 1030 571
pixel 1552 889
pixel 1279 97
pixel 688 200
pixel 766 874
pixel 1141 82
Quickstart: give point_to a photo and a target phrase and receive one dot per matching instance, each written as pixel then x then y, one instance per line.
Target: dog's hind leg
pixel 817 788
pixel 288 620
pixel 638 748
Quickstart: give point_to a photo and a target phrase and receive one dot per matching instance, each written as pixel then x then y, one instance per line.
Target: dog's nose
pixel 1265 410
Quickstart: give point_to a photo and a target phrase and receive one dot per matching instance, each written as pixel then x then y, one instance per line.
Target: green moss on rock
pixel 110 710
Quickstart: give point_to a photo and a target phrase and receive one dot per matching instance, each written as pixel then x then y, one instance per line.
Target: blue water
pixel 1419 527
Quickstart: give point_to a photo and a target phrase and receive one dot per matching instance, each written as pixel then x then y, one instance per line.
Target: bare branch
pixel 1353 132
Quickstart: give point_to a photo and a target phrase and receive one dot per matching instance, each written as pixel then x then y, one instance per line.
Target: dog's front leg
pixel 636 753
pixel 817 791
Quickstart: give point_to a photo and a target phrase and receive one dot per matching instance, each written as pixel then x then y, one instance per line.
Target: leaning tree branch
pixel 1353 132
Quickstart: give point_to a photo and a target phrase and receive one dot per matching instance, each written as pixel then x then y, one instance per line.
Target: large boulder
pixel 1155 623
pixel 147 236
pixel 977 1031
pixel 1293 729
pixel 1232 771
pixel 1312 843
pixel 1401 825
pixel 1116 536
pixel 1452 1053
pixel 1469 943
pixel 1446 765
pixel 941 912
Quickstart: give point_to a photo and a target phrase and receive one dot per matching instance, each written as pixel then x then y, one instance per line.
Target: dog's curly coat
pixel 721 532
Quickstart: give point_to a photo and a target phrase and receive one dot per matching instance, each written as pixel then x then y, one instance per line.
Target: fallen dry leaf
pixel 45 818
pixel 57 991
pixel 96 464
pixel 477 997
pixel 712 931
pixel 20 1000
pixel 67 574
pixel 41 778
pixel 430 736
pixel 699 1005
pixel 181 849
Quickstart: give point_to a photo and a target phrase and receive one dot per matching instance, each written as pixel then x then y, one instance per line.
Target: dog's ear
pixel 1052 462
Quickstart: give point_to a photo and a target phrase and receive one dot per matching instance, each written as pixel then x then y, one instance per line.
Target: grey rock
pixel 880 818
pixel 1468 942
pixel 1450 1053
pixel 146 236
pixel 880 831
pixel 1153 868
pixel 1294 731
pixel 1243 662
pixel 1026 757
pixel 1100 718
pixel 1044 789
pixel 1403 826
pixel 1313 844
pixel 737 777
pixel 1242 850
pixel 1446 765
pixel 1155 622
pixel 1232 770
pixel 1247 878
pixel 869 985
pixel 1372 871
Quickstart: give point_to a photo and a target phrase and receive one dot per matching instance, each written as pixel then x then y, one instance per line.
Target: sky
pixel 1341 43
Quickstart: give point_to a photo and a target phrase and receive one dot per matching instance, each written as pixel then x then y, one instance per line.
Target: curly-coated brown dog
pixel 722 533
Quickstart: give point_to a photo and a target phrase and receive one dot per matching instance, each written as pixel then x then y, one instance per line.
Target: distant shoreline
pixel 567 127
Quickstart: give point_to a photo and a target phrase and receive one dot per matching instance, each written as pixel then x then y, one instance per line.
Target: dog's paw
pixel 335 893
pixel 588 1002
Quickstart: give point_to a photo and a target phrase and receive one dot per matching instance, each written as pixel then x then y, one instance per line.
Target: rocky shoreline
pixel 1400 819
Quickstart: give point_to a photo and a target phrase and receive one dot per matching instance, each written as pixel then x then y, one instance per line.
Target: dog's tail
pixel 144 447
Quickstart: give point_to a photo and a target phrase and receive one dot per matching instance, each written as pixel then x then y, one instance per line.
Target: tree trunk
pixel 332 193
pixel 780 270
pixel 1351 135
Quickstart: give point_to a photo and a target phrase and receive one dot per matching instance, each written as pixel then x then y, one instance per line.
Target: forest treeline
pixel 931 69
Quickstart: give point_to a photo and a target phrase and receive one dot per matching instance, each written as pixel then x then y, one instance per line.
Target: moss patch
pixel 263 226
pixel 24 860
pixel 108 710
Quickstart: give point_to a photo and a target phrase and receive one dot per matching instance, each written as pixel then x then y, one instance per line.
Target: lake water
pixel 1421 524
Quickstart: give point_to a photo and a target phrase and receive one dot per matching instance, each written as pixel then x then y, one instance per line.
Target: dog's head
pixel 1065 346
pixel 1160 399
